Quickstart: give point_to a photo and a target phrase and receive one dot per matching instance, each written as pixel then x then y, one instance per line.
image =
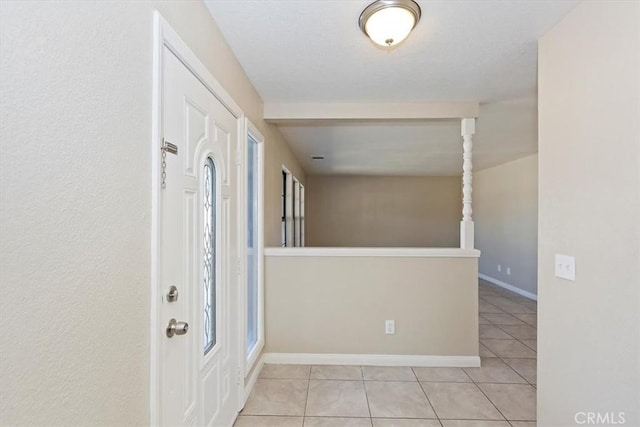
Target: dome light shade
pixel 389 22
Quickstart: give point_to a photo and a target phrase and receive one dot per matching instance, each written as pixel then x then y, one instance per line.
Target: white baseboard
pixel 251 381
pixel 372 360
pixel 509 287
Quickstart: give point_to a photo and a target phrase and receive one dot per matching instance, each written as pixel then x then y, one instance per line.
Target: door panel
pixel 197 388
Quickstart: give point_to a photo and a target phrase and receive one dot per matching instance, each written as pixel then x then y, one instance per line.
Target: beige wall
pixel 76 202
pixel 589 154
pixel 505 210
pixel 278 154
pixel 392 211
pixel 338 305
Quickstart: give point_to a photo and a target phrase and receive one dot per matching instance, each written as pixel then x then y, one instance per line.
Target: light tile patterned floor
pixel 501 393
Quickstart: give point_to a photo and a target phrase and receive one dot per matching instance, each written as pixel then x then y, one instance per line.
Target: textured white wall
pixel 589 189
pixel 75 202
pixel 505 210
pixel 75 213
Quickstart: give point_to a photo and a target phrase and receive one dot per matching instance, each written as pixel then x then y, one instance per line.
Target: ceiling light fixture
pixel 388 22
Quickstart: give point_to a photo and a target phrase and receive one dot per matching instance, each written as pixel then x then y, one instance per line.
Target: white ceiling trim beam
pixel 276 113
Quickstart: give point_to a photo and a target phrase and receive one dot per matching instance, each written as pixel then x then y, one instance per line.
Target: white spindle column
pixel 466 225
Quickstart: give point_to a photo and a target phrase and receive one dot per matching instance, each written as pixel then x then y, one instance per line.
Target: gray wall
pixel 589 189
pixel 392 211
pixel 505 210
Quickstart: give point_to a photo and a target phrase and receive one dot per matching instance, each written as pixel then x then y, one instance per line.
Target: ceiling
pixel 507 131
pixel 312 51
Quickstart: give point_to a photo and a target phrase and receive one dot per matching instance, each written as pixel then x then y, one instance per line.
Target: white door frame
pixel 165 36
pixel 250 360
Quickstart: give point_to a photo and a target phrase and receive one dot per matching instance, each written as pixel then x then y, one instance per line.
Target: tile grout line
pixel 306 399
pixel 526 358
pixel 433 408
pixel 468 419
pixel 511 367
pixel 487 397
pixel 366 395
pixel 506 332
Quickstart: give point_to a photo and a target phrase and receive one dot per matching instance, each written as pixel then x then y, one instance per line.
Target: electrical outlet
pixel 390 327
pixel 565 267
pixel 499 267
pixel 508 271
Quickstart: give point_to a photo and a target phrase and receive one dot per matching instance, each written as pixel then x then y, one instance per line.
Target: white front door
pixel 198 363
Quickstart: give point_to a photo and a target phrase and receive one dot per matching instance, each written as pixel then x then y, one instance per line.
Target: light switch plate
pixel 566 267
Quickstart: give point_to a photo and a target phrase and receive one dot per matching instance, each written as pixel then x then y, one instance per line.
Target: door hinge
pixel 238 266
pixel 238 157
pixel 166 147
pixel 239 376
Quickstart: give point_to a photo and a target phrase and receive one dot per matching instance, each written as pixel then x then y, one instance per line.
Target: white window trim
pixel 302 225
pixel 294 210
pixel 296 213
pixel 251 358
pixel 289 226
pixel 283 204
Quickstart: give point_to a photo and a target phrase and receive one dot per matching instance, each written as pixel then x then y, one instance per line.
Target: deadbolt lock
pixel 177 328
pixel 172 295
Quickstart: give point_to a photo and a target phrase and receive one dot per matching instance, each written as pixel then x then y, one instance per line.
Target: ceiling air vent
pixel 317 157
